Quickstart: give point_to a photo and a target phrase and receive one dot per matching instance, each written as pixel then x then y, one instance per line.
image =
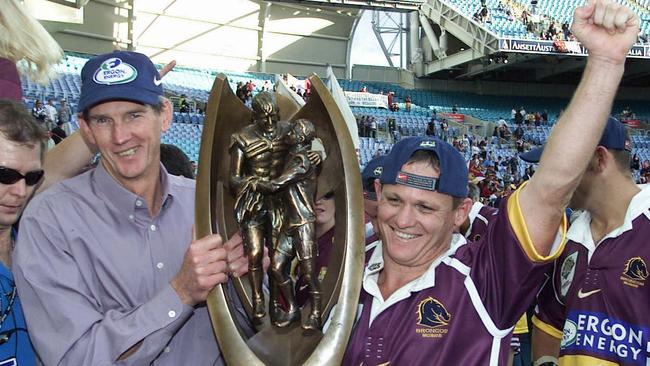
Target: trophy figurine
pixel 274 182
pixel 259 176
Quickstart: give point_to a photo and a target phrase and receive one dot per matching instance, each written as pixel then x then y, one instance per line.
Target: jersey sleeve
pixel 505 268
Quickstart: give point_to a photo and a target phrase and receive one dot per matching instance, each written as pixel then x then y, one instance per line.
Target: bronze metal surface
pixel 214 214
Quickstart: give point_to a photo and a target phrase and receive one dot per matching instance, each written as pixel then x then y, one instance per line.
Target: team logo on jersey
pixel 635 272
pixel 569 334
pixel 377 171
pixel 115 71
pixel 433 318
pixel 567 272
pixel 476 237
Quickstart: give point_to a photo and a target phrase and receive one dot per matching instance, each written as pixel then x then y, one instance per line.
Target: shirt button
pixel 160 265
pixel 153 227
pixel 172 314
pixel 167 349
pixel 131 217
pixel 138 203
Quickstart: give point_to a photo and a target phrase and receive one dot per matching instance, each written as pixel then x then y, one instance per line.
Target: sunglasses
pixel 11 176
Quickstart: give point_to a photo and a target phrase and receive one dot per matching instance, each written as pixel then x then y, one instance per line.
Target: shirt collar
pixel 580 230
pixel 426 280
pixel 123 199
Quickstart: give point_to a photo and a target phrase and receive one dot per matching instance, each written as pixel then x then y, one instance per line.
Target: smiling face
pixel 128 136
pixel 416 225
pixel 14 197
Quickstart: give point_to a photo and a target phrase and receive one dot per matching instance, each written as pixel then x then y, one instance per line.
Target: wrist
pixel 182 295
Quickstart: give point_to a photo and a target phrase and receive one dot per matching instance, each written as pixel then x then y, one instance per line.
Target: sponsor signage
pixel 456 117
pixel 601 336
pixel 559 47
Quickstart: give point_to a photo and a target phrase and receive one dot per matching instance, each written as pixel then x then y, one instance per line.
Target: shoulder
pixel 182 185
pixel 60 194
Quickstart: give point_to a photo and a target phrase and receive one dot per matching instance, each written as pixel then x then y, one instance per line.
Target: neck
pixel 149 188
pixel 610 213
pixel 394 275
pixel 6 245
pixel 322 229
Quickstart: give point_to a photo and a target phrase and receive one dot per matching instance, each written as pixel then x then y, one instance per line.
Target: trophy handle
pixel 340 171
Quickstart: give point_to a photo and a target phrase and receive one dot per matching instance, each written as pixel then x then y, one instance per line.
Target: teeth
pixel 128 152
pixel 404 236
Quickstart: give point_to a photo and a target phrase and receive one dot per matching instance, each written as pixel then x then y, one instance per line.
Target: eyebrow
pixel 140 109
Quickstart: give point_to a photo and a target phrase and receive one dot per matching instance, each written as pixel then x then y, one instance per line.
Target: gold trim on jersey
pixel 520 229
pixel 582 360
pixel 547 328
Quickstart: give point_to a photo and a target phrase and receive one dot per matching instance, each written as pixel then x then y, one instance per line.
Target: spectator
pixel 184 104
pixel 51 114
pixel 38 112
pixel 407 103
pixel 65 116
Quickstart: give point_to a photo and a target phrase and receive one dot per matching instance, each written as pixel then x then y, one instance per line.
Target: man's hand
pixel 167 68
pixel 237 259
pixel 607 29
pixel 204 266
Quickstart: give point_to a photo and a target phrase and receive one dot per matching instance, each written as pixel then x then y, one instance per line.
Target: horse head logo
pixel 432 313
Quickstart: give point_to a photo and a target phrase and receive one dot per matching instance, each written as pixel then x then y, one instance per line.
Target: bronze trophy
pixel 259 176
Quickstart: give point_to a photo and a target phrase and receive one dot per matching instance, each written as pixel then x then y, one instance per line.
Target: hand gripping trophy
pixel 275 206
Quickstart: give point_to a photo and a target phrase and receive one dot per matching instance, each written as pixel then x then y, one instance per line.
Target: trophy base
pixel 287 346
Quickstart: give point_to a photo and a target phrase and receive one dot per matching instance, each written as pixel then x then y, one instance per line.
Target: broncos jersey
pixel 461 311
pixel 596 302
pixel 479 217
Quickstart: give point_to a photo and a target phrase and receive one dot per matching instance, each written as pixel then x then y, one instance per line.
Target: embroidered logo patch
pixel 114 71
pixel 428 143
pixel 433 318
pixel 635 272
pixel 567 272
pixel 377 171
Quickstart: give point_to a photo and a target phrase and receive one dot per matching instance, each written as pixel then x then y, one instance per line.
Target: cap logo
pixel 115 71
pixel 428 143
pixel 377 171
pixel 416 181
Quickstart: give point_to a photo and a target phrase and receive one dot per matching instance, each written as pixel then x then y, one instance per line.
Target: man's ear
pixel 86 132
pixel 601 159
pixel 167 113
pixel 378 189
pixel 462 212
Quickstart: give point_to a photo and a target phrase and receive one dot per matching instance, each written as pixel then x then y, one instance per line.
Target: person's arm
pixel 69 322
pixel 65 160
pixel 608 31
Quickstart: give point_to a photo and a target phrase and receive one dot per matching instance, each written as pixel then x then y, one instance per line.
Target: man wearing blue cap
pixel 597 291
pixel 430 298
pixel 106 262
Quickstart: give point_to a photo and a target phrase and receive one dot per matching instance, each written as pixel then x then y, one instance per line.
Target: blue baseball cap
pixel 371 172
pixel 120 75
pixel 615 137
pixel 453 168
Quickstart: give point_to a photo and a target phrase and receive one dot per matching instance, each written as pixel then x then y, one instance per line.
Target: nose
pixel 19 188
pixel 120 133
pixel 404 217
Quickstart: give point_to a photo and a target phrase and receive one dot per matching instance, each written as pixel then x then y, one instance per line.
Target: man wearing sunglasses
pixel 106 262
pixel 22 143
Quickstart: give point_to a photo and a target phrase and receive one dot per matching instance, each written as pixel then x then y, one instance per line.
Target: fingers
pixel 613 17
pixel 167 68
